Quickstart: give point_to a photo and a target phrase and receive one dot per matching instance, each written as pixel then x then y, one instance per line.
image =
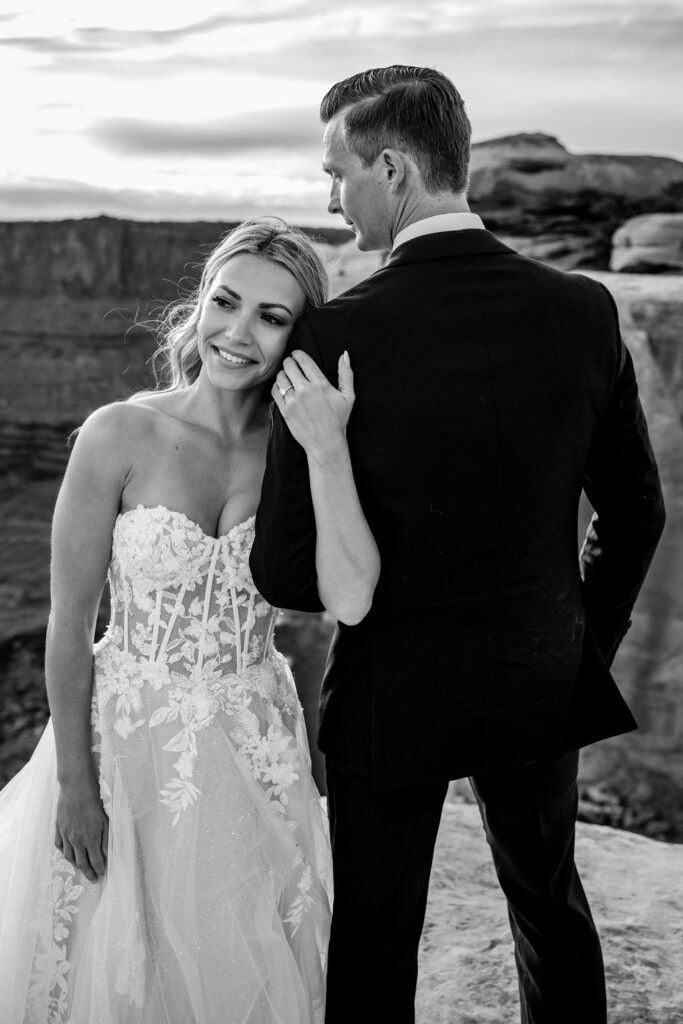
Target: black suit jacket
pixel 491 390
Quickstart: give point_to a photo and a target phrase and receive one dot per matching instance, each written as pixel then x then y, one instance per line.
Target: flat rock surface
pixel 467 972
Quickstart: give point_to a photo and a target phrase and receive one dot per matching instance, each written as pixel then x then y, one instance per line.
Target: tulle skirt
pixel 216 914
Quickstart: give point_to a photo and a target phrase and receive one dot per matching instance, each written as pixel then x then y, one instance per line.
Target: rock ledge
pixel 467 972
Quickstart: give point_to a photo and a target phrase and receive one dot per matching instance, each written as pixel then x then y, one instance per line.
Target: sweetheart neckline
pixel 183 515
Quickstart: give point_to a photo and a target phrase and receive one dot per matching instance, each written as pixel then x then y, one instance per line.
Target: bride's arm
pixel 346 557
pixel 84 515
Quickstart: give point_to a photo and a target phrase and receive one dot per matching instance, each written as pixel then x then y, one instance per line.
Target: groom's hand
pixel 316 412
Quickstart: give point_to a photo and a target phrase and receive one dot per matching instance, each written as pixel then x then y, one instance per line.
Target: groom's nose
pixel 334 206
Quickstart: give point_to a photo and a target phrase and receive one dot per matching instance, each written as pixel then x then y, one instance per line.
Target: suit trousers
pixel 383 844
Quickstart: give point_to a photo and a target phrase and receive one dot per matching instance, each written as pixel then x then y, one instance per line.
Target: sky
pixel 152 109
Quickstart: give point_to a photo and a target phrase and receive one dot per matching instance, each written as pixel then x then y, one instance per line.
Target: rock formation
pixel 73 295
pixel 561 207
pixel 649 664
pixel 650 244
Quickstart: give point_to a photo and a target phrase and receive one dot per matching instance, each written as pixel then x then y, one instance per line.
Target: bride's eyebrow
pixel 261 305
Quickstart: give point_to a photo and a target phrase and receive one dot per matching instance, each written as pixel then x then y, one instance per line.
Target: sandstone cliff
pixel 71 294
pixel 649 664
pixel 563 207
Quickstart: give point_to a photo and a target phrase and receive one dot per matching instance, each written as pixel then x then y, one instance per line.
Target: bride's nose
pixel 237 332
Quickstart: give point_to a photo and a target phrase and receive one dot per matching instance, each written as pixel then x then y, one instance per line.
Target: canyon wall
pixel 75 297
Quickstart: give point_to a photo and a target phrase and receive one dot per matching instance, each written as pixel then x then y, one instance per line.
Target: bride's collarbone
pixel 184 469
pixel 195 453
pixel 160 422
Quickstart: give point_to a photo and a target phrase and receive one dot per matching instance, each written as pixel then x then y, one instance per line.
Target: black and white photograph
pixel 341 512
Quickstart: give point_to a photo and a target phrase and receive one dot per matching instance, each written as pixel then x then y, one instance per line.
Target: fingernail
pixel 346 359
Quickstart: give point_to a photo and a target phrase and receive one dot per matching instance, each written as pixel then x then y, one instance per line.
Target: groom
pixel 491 390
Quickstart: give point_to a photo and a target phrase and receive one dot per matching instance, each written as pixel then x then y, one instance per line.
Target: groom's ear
pixel 393 166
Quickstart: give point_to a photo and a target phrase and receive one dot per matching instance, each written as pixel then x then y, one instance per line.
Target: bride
pixel 164 856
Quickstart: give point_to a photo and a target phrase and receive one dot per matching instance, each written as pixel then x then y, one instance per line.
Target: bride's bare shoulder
pixel 167 403
pixel 122 423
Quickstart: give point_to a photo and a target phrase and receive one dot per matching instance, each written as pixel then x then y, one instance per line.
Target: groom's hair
pixel 418 110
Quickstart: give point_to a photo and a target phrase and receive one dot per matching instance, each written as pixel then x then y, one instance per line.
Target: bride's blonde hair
pixel 177 361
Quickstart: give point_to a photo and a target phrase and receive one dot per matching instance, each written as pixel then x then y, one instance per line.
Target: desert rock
pixel 73 338
pixel 530 186
pixel 650 244
pixel 649 664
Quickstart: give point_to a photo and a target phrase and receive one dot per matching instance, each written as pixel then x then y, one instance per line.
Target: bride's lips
pixel 231 358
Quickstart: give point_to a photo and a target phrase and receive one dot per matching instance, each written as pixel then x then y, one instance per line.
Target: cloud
pixel 46 199
pixel 261 130
pixel 160 102
pixel 495 34
pixel 484 40
pixel 98 39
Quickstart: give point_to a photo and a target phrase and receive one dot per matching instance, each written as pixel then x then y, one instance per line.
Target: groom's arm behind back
pixel 623 486
pixel 282 558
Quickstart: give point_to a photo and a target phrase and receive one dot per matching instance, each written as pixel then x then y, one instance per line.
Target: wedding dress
pixel 215 905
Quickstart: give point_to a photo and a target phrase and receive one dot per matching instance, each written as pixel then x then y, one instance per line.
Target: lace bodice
pixel 189 644
pixel 183 599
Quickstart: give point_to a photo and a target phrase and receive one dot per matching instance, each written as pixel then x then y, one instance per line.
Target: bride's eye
pixel 274 320
pixel 221 301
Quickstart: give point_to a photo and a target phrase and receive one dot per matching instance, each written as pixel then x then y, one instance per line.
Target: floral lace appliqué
pixel 302 903
pixel 191 639
pixel 49 984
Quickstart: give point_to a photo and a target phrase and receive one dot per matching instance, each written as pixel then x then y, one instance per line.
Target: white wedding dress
pixel 216 901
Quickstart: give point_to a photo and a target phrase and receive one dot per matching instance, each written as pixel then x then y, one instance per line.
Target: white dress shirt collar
pixel 441 222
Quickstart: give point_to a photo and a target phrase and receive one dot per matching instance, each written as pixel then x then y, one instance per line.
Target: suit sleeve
pixel 282 558
pixel 622 484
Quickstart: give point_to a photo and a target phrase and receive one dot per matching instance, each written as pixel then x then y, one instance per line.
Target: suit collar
pixel 456 221
pixel 466 242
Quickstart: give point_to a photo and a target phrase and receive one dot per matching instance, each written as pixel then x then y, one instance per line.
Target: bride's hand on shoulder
pixel 316 412
pixel 82 829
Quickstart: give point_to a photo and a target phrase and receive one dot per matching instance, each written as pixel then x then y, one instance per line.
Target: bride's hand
pixel 314 410
pixel 82 830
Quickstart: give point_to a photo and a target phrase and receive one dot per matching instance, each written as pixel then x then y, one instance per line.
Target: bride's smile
pixel 245 320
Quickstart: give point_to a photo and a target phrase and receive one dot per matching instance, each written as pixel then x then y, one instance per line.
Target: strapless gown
pixel 216 901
